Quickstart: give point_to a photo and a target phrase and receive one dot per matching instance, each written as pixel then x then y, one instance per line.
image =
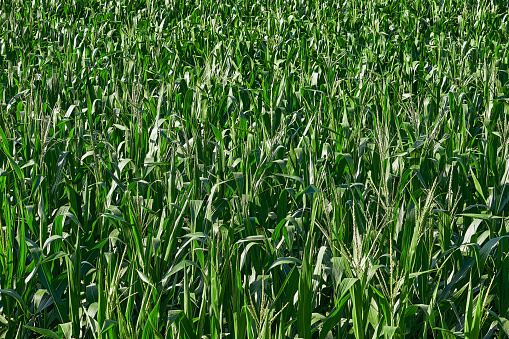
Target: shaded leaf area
pixel 254 169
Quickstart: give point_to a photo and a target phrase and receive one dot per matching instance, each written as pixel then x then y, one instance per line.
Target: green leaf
pixel 108 324
pixel 293 177
pixel 44 332
pixel 285 260
pixel 66 330
pixel 478 186
pixel 16 296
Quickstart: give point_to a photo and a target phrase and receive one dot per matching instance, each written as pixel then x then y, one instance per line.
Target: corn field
pixel 254 169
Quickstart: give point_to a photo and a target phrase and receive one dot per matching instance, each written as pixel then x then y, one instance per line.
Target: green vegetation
pixel 254 169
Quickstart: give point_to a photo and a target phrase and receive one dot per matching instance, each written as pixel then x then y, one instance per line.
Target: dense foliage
pixel 254 169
